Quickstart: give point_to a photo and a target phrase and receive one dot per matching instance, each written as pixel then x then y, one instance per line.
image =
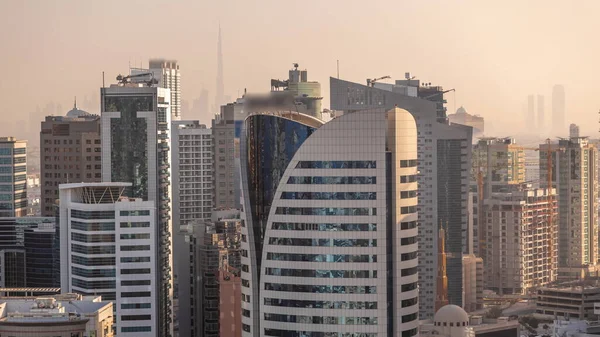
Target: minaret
pixel 219 98
pixel 442 280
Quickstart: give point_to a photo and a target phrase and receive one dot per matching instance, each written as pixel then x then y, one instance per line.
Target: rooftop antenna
pixel 338 69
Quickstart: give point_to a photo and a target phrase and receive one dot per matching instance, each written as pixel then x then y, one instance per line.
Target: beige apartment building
pixel 522 243
pixel 70 152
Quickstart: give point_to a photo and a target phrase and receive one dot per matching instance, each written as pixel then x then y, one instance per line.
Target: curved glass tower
pixel 329 238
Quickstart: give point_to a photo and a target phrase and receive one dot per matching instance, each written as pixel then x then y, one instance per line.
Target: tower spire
pixel 75 103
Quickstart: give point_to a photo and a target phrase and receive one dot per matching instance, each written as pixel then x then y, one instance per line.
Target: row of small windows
pixel 302 288
pixel 320 257
pixel 93 284
pixel 93 273
pixel 337 164
pixel 409 271
pixel 135 259
pixel 290 333
pixel 321 319
pixel 408 179
pixel 136 236
pixel 134 224
pixel 451 324
pixel 135 283
pixel 136 329
pixel 9 161
pixel 135 306
pixel 408 256
pixel 92 250
pixel 135 271
pixel 135 294
pixel 410 333
pixel 321 273
pixel 408 163
pixel 409 302
pixel 408 209
pixel 78 237
pixel 95 226
pixel 135 317
pixel 408 225
pixel 93 261
pixel 326 211
pixel 279 302
pixel 329 195
pixel 332 180
pixel 325 227
pixel 135 248
pixel 9 188
pixel 408 241
pixel 307 242
pixel 75 213
pixel 409 287
pixel 135 213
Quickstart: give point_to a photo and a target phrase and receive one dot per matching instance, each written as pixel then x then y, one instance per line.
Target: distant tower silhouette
pixel 558 109
pixel 442 279
pixel 530 117
pixel 541 115
pixel 219 98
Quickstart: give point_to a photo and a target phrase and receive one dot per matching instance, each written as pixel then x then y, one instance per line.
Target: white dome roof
pixel 451 313
pixel 461 110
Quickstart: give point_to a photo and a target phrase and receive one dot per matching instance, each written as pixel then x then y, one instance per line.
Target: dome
pixel 461 110
pixel 75 113
pixel 451 314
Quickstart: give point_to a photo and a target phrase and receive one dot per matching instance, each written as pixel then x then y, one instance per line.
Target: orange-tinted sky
pixel 494 53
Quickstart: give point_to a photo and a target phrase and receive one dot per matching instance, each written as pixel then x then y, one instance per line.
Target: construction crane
pixel 127 79
pixel 439 93
pixel 371 82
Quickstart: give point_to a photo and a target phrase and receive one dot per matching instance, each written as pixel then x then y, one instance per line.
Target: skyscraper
pixel 136 122
pixel 541 122
pixel 558 108
pixel 329 238
pixel 444 153
pixel 71 152
pixel 530 117
pixel 226 177
pixel 220 91
pixel 13 177
pixel 166 72
pixel 575 176
pixel 108 248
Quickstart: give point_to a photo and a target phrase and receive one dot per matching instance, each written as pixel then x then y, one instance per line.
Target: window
pixel 325 227
pixel 326 211
pixel 136 236
pixel 88 238
pixel 336 164
pixel 408 179
pixel 408 194
pixel 135 283
pixel 410 302
pixel 408 241
pixel 96 226
pixel 135 213
pixel 92 250
pixel 134 224
pixel 135 306
pixel 409 271
pixel 278 302
pixel 135 317
pixel 307 242
pixel 321 319
pixel 135 248
pixel 408 225
pixel 321 289
pixel 408 209
pixel 320 257
pixel 409 287
pixel 319 273
pixel 136 294
pixel 329 195
pixel 136 329
pixel 408 163
pixel 86 215
pixel 93 261
pixel 332 180
pixel 93 284
pixel 135 259
pixel 92 273
pixel 135 271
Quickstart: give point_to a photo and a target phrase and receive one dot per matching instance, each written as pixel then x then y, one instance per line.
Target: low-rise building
pixel 569 301
pixel 453 321
pixel 49 317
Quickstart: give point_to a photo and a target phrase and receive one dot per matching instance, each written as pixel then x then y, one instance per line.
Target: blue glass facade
pixel 269 145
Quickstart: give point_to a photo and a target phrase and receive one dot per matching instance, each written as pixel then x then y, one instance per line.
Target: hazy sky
pixel 494 53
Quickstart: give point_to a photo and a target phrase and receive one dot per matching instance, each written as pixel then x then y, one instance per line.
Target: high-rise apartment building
pixel 329 240
pixel 541 116
pixel 213 253
pixel 575 176
pixel 166 73
pixel 521 239
pixel 558 108
pixel 70 150
pixel 473 282
pixel 226 155
pixel 444 160
pixel 108 248
pixel 573 131
pixel 13 177
pixel 136 122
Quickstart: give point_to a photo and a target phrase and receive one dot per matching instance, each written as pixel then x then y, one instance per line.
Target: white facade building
pixel 166 72
pixel 326 209
pixel 107 248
